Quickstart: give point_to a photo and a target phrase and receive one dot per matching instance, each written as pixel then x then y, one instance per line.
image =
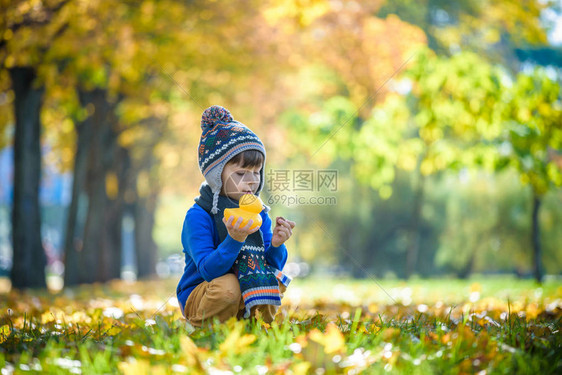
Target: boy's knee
pixel 264 312
pixel 225 289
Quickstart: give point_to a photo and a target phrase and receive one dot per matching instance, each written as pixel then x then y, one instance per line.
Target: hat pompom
pixel 215 114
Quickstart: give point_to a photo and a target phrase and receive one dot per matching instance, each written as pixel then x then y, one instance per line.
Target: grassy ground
pixel 484 326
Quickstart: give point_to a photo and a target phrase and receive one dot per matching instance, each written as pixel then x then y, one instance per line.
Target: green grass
pixel 483 325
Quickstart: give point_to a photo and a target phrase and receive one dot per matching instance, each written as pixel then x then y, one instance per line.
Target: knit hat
pixel 221 140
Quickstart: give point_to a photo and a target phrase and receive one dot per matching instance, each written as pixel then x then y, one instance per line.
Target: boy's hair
pixel 248 159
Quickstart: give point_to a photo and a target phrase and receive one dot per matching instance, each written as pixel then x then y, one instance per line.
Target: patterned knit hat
pixel 222 139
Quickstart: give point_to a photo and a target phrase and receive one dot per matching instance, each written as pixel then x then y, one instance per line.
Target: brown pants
pixel 221 298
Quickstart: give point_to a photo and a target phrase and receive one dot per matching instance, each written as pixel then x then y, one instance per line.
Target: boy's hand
pixel 239 234
pixel 282 231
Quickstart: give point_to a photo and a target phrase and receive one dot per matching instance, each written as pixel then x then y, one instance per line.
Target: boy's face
pixel 237 181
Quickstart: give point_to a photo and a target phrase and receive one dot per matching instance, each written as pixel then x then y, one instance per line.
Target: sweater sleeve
pixel 275 256
pixel 197 240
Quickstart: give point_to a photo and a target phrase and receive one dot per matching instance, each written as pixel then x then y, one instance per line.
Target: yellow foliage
pixel 332 341
pixel 235 342
pixel 111 185
pixel 301 368
pixel 188 346
pixel 475 287
pixel 143 184
pixel 4 333
pixel 135 367
pixel 113 331
pixel 532 311
pixel 189 349
pixel 390 333
pixel 305 12
pixel 373 308
pixel 47 317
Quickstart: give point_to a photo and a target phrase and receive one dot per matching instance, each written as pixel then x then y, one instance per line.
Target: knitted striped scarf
pixel 258 280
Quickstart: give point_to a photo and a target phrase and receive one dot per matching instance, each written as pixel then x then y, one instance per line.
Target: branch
pixel 28 20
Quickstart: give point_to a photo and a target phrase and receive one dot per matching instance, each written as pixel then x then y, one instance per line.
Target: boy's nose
pixel 252 179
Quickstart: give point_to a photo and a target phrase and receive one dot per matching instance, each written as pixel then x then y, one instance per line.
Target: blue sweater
pixel 207 259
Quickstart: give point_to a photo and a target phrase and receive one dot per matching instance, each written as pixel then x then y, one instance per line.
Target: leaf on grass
pixel 191 352
pixel 113 331
pixel 235 342
pixel 373 308
pixel 333 340
pixel 188 346
pixel 47 317
pixel 4 333
pixel 301 368
pixel 390 333
pixel 135 367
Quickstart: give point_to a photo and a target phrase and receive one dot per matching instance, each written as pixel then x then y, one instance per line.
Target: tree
pixel 29 260
pixel 495 29
pixel 447 119
pixel 531 143
pixel 102 83
pixel 27 34
pixel 439 125
pixel 350 54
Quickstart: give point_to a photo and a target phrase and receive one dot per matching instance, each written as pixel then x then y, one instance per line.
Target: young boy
pixel 230 270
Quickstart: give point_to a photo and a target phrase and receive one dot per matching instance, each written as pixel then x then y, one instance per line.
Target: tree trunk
pixel 99 245
pixel 120 169
pixel 146 250
pixel 74 259
pixel 466 270
pixel 29 259
pixel 536 239
pixel 145 247
pixel 93 240
pixel 414 240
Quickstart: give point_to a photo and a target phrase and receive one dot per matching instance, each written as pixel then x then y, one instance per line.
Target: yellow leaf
pixel 373 308
pixel 111 185
pixel 302 340
pixel 475 287
pixel 189 349
pixel 158 370
pixel 113 331
pixel 4 333
pixel 187 345
pixel 333 340
pixel 135 367
pixel 301 368
pixel 235 342
pixel 246 340
pixel 390 333
pixel 532 311
pixel 47 317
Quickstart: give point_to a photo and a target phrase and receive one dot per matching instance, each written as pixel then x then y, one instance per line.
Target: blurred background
pixel 405 138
